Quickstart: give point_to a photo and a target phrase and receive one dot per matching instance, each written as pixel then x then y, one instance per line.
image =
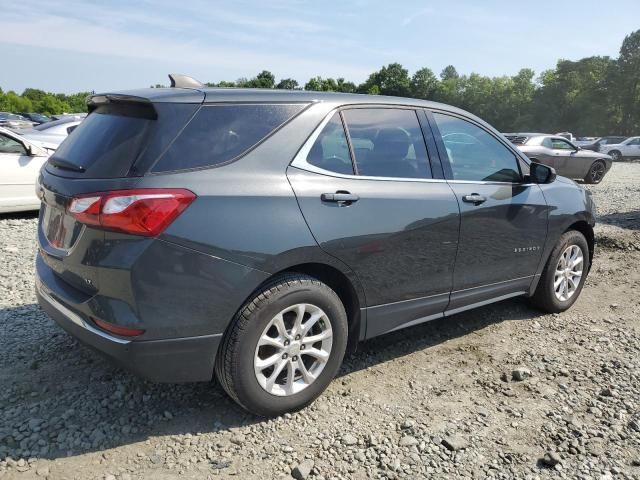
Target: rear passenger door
pixel 367 189
pixel 503 219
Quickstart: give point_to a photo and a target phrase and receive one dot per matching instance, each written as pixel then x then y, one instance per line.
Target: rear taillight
pixel 145 211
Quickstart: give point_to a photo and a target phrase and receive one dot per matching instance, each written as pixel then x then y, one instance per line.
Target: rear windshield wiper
pixel 64 165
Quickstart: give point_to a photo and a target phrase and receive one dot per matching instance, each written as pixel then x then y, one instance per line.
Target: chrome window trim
pixel 300 161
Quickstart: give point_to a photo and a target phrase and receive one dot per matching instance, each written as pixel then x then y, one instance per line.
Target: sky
pixel 74 45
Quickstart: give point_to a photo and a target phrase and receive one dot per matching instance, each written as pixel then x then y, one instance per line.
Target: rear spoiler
pixel 128 105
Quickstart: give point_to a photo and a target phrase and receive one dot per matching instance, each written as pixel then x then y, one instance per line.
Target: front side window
pixel 387 142
pixel 558 144
pixel 330 151
pixel 474 154
pixel 635 141
pixel 9 145
pixel 221 133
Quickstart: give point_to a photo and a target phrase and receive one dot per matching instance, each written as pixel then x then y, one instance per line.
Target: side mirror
pixel 539 173
pixel 33 151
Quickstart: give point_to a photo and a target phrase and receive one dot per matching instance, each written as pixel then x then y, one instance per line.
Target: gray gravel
pixel 499 392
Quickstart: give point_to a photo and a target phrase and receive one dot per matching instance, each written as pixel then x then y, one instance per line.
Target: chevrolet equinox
pixel 261 234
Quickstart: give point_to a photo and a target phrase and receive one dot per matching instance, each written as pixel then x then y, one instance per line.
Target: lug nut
pixel 301 347
pixel 286 343
pixel 297 337
pixel 284 356
pixel 295 358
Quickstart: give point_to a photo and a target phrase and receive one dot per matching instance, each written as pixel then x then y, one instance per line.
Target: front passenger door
pixel 503 220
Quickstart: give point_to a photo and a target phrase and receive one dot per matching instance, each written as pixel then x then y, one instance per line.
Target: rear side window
pixel 387 142
pixel 330 151
pixel 474 154
pixel 221 133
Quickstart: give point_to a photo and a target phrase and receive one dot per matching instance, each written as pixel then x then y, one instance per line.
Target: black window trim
pixel 300 159
pixel 444 158
pixel 151 173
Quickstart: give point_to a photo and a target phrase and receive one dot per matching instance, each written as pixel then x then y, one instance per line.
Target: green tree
pixel 423 84
pixel 628 84
pixel 390 80
pixel 287 84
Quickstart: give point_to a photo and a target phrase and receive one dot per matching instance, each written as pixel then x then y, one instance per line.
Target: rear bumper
pixel 176 360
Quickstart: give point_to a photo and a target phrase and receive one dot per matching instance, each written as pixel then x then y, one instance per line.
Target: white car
pixel 630 148
pixel 20 163
pixel 51 134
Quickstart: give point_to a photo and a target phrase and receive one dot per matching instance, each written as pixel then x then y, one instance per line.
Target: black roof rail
pixel 184 81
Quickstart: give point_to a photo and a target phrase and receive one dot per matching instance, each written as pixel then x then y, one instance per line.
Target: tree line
pixel 596 95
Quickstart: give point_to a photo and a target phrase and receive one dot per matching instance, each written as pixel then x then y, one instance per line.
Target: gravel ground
pixel 499 392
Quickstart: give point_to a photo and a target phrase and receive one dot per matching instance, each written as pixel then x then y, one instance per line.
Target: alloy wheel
pixel 293 349
pixel 568 273
pixel 597 172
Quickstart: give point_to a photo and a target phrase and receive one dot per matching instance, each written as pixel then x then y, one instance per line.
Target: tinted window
pixel 108 140
pixel 635 141
pixel 220 133
pixel 558 144
pixel 330 151
pixel 9 145
pixel 474 154
pixel 387 143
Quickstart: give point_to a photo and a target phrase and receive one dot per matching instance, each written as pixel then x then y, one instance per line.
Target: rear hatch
pixel 109 151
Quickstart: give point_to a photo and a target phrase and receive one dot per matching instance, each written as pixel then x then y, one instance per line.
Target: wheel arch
pixel 344 287
pixel 587 230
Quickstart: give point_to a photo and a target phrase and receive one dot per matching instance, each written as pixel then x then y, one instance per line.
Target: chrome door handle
pixel 474 198
pixel 340 197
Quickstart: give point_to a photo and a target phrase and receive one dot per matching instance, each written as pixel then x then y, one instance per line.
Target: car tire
pixel 550 295
pixel 240 363
pixel 596 172
pixel 615 155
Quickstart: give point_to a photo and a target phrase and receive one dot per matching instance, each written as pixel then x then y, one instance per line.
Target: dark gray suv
pixel 261 234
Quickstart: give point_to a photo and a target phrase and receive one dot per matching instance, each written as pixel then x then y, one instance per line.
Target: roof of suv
pixel 189 95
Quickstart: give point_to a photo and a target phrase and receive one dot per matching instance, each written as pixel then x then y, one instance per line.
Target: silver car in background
pixel 51 134
pixel 628 149
pixel 568 159
pixel 14 121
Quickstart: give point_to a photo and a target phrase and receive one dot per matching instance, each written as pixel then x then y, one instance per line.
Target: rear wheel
pixel 596 172
pixel 564 274
pixel 284 347
pixel 615 155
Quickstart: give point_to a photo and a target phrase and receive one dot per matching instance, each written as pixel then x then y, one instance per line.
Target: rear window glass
pixel 221 133
pixel 105 139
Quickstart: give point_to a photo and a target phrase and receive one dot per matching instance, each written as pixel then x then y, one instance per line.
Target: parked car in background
pixel 14 121
pixel 51 134
pixel 36 118
pixel 598 143
pixel 568 135
pixel 627 149
pixel 568 159
pixel 20 163
pixel 62 116
pixel 263 233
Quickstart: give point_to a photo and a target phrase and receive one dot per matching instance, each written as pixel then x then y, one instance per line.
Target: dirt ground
pixel 499 392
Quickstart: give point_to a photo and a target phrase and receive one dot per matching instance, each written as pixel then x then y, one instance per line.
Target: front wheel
pixel 284 347
pixel 596 172
pixel 564 274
